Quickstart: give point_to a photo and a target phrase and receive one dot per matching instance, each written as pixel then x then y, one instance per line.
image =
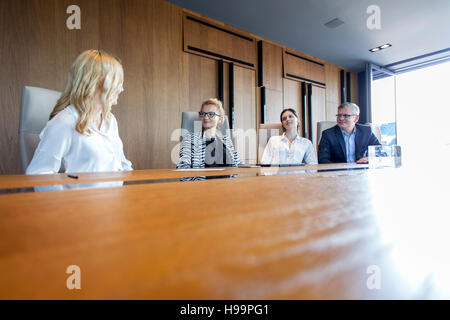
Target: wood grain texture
pixel 245 129
pixel 28 181
pixel 272 57
pixel 332 79
pixel 318 110
pixel 317 242
pixel 331 110
pixel 203 81
pixel 214 40
pixel 293 98
pixel 303 68
pixel 274 105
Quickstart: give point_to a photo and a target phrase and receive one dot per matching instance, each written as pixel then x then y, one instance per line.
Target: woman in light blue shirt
pixel 289 148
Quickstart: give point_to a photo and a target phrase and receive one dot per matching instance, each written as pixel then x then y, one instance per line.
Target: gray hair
pixel 350 105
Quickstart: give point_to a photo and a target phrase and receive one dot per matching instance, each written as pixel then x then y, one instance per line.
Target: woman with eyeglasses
pixel 82 133
pixel 208 147
pixel 289 148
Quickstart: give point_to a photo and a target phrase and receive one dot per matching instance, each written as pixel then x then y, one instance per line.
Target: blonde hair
pixel 215 102
pixel 92 70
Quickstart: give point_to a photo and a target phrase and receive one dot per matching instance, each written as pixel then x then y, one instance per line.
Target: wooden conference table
pixel 338 231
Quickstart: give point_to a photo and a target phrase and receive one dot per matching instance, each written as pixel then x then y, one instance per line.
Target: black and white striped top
pixel 193 146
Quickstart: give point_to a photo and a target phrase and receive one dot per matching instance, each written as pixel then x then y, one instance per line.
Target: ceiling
pixel 413 27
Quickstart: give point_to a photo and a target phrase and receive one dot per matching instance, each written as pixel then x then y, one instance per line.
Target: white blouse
pixel 278 151
pixel 100 151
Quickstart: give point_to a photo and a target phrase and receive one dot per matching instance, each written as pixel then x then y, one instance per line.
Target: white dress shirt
pixel 100 151
pixel 278 151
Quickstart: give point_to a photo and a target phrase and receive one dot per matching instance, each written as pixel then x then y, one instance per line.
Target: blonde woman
pixel 82 133
pixel 208 148
pixel 289 148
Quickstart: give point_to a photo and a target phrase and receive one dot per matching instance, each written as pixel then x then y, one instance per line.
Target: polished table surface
pixel 20 181
pixel 313 232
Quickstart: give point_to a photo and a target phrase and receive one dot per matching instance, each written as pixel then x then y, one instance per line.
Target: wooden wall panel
pixel 272 66
pixel 215 39
pixel 331 110
pixel 318 103
pixel 245 114
pixel 332 79
pixel 152 67
pixel 203 81
pixel 292 97
pixel 300 67
pixel 332 92
pixel 292 94
pixel 274 105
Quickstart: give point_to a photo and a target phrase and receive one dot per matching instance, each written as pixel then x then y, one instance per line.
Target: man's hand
pixel 363 160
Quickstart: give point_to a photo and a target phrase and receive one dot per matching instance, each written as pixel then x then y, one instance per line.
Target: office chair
pixel 37 104
pixel 266 131
pixel 321 126
pixel 191 121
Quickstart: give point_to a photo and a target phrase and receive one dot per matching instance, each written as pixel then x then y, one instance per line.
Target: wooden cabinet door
pixel 318 108
pixel 244 126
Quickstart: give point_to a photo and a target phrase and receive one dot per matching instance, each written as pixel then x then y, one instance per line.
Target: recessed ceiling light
pixel 384 46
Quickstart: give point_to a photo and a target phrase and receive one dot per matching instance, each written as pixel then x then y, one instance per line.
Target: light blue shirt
pixel 349 145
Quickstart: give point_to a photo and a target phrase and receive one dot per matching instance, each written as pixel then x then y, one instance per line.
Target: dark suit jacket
pixel 332 145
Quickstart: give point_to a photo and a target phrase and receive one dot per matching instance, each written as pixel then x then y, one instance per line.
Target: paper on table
pixel 201 169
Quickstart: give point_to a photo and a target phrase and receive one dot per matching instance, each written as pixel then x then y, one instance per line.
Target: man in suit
pixel 347 141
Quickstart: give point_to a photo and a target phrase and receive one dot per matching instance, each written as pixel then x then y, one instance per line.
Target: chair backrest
pixel 321 126
pixel 191 121
pixel 266 131
pixel 37 104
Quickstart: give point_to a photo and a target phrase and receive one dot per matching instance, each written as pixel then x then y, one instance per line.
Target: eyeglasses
pixel 345 115
pixel 208 114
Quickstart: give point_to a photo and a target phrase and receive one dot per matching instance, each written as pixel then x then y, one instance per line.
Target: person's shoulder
pixel 112 117
pixel 364 127
pixel 113 121
pixel 65 118
pixel 224 137
pixel 186 135
pixel 305 140
pixel 274 140
pixel 330 130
